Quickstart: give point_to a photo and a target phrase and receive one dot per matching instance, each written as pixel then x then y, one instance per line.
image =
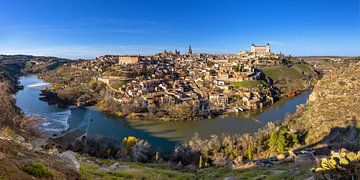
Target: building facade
pixel 129 59
pixel 260 49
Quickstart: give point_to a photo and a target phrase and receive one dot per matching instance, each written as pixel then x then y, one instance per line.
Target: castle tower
pixel 252 48
pixel 268 48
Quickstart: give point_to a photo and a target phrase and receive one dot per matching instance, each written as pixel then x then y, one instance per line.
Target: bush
pixel 282 139
pixel 129 142
pixel 141 151
pixel 37 170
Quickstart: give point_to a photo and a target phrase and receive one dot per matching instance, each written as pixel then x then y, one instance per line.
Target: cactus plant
pixel 338 161
pixel 351 156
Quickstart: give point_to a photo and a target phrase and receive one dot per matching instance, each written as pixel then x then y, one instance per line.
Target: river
pixel 162 135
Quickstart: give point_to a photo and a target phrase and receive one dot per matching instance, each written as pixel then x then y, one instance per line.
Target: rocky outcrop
pixel 70 159
pixel 333 109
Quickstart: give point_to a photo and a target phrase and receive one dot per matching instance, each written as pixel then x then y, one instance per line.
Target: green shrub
pixel 273 141
pixel 37 170
pixel 281 144
pixel 282 140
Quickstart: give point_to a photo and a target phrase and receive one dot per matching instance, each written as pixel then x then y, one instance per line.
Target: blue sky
pixel 89 28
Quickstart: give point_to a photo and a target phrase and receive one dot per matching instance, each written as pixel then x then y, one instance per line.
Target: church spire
pixel 190 50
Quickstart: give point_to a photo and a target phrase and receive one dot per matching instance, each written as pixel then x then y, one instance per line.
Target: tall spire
pixel 190 50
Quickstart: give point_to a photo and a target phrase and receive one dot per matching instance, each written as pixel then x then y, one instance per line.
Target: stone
pixel 53 151
pixel 304 157
pixel 278 171
pixel 27 145
pixel 281 157
pixel 292 153
pixel 19 138
pixel 190 167
pixel 115 166
pixel 38 144
pixel 230 178
pixel 238 160
pixel 70 158
pixel 310 178
pixel 294 171
pixel 2 156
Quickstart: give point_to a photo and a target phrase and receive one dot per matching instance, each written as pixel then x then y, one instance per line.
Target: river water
pixel 162 135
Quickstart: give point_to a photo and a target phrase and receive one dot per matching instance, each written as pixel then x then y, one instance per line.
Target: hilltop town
pixel 282 150
pixel 174 86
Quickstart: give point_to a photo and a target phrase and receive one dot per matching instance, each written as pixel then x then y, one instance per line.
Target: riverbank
pixel 162 135
pixel 196 152
pixel 68 94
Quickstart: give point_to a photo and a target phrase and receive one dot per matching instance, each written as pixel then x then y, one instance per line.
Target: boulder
pixel 115 166
pixel 19 138
pixel 280 157
pixel 38 144
pixel 70 158
pixel 27 145
pixel 53 151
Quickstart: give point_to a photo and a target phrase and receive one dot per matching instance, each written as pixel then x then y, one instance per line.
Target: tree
pixel 281 143
pixel 273 141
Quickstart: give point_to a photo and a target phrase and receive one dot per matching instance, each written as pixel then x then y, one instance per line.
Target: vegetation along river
pixel 163 136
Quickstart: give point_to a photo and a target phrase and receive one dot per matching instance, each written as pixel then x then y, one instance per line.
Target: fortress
pixel 260 49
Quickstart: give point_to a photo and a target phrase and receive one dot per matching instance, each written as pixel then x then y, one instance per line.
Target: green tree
pixel 273 141
pixel 292 139
pixel 281 143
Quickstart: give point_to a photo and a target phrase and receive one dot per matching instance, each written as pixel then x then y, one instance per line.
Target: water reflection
pixel 162 135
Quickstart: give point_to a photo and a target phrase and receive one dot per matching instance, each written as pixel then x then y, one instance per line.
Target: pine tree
pixel 273 141
pixel 281 143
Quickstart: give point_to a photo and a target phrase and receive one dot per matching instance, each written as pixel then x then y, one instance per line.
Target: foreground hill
pixel 333 109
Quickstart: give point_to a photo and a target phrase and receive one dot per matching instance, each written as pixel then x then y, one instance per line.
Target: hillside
pixel 334 106
pixel 291 80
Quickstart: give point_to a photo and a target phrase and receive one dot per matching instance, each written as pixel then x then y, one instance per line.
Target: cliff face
pixel 334 106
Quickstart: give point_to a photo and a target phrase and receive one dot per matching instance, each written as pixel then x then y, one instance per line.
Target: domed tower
pixel 268 50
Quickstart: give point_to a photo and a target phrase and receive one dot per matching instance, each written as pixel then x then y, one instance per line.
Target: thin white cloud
pixel 276 42
pixel 88 52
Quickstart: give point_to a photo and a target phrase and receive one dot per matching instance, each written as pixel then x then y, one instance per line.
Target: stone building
pixel 260 49
pixel 129 59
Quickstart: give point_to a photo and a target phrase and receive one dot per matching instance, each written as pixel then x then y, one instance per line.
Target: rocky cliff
pixel 333 109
